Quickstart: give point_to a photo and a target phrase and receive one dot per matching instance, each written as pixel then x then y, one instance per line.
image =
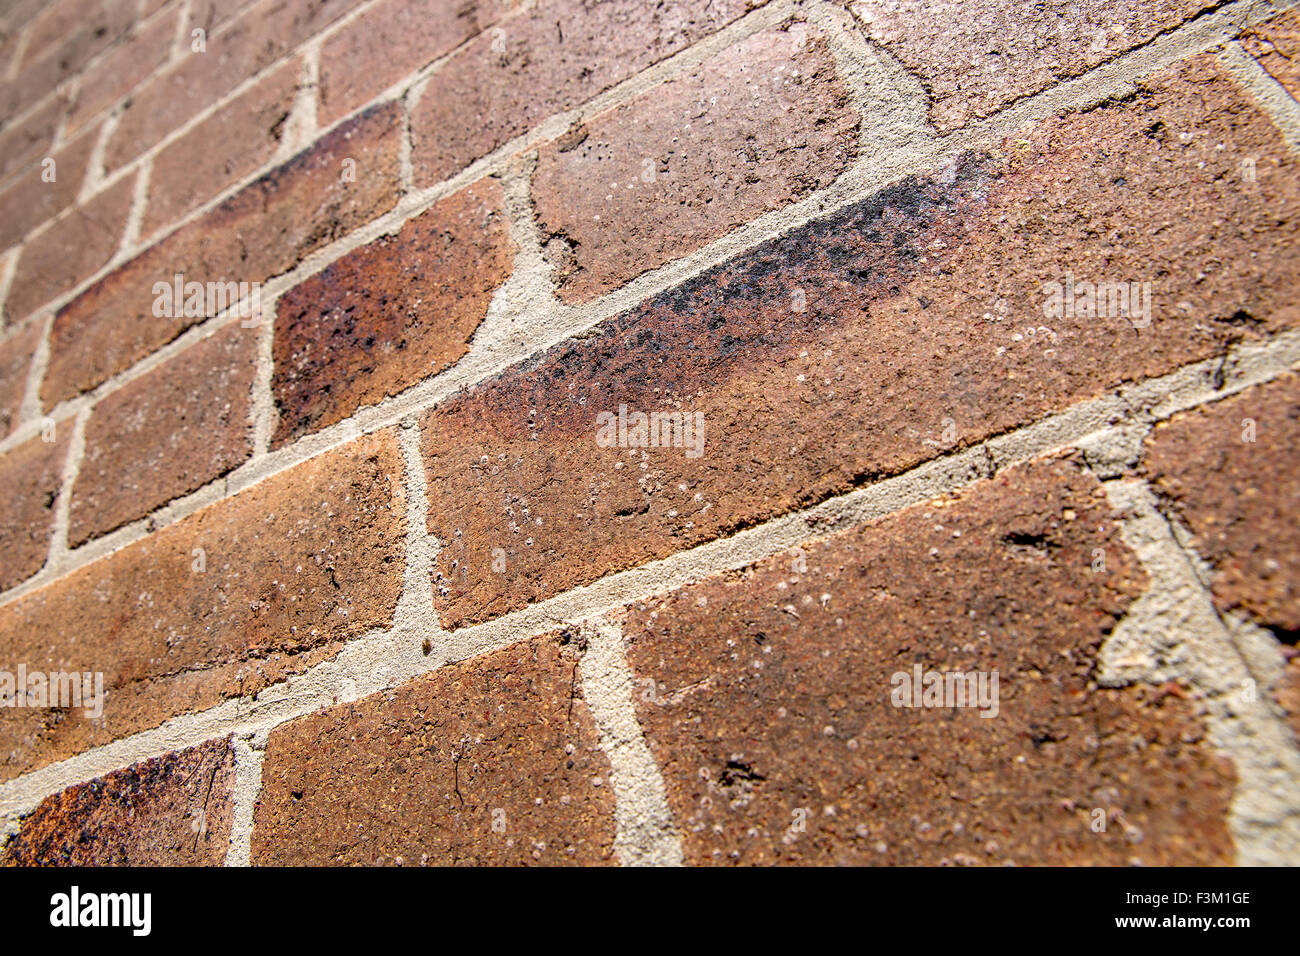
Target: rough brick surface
pixel 391 313
pixel 31 475
pixel 174 810
pixel 224 148
pixel 16 353
pixel 389 41
pixel 922 304
pixel 284 573
pixel 1275 45
pixel 32 197
pixel 166 433
pixel 491 761
pixel 773 694
pixel 71 250
pixel 551 56
pixel 111 78
pixel 689 161
pixel 975 57
pixel 1231 472
pixel 263 230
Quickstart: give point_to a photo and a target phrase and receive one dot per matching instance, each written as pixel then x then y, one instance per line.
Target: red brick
pixel 917 305
pixel 389 314
pixel 27 140
pixel 420 774
pixel 30 200
pixel 292 568
pixel 71 250
pixel 112 77
pixel 31 477
pixel 391 40
pixel 770 691
pixel 241 49
pixel 1239 496
pixel 262 231
pixel 210 14
pixel 78 29
pixel 16 351
pixel 174 810
pixel 167 433
pixel 721 146
pixel 227 146
pixel 976 57
pixel 1275 45
pixel 550 57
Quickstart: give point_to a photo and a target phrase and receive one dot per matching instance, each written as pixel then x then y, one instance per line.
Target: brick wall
pixel 717 432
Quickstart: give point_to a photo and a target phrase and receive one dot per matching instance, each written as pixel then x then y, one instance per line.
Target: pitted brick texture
pixel 391 313
pixel 1275 45
pixel 490 761
pixel 31 478
pixel 166 433
pixel 769 697
pixel 174 810
pixel 219 604
pixel 862 344
pixel 687 162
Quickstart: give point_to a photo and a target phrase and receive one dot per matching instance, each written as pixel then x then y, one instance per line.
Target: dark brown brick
pixel 31 478
pixel 391 313
pixel 112 77
pixel 262 231
pixel 975 57
pixel 551 56
pixel 30 199
pixel 692 159
pixel 770 691
pixel 922 303
pixel 174 810
pixel 1275 45
pixel 237 51
pixel 16 351
pixel 227 146
pixel 167 433
pixel 291 569
pixel 420 774
pixel 71 250
pixel 1231 473
pixel 391 40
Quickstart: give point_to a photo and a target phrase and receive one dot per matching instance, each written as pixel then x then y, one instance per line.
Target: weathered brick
pixel 166 433
pixel 975 57
pixel 391 313
pixel 1231 473
pixel 112 77
pixel 31 476
pixel 24 141
pixel 174 810
pixel 31 199
pixel 1275 45
pixel 227 146
pixel 692 159
pixel 75 26
pixel 491 761
pixel 550 57
pixel 921 304
pixel 223 603
pixel 16 351
pixel 391 40
pixel 239 50
pixel 262 231
pixel 769 697
pixel 71 250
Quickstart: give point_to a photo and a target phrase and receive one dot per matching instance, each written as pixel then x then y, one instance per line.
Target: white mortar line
pixel 646 834
pixel 383 659
pixel 1173 632
pixel 249 753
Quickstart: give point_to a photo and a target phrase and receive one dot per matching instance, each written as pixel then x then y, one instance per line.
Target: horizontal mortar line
pixel 1080 92
pixel 336 681
pixel 867 175
pixel 410 204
